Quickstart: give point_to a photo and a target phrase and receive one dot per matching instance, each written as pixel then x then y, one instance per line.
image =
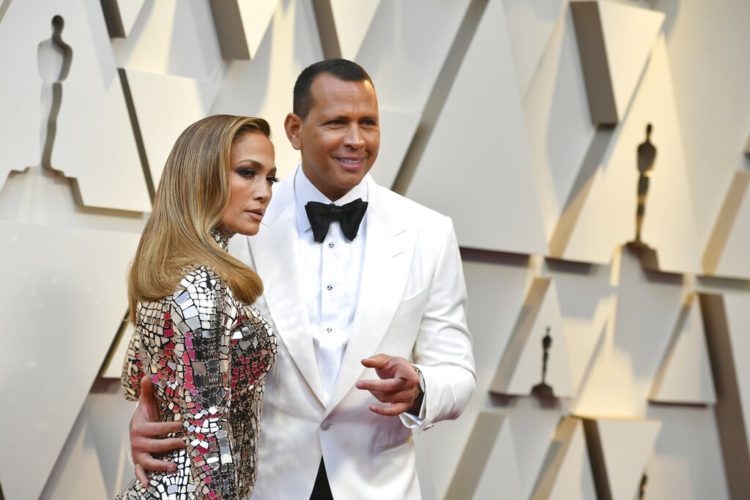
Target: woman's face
pixel 252 171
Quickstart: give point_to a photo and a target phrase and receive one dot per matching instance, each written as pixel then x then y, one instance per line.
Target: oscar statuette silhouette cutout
pixel 543 390
pixel 646 158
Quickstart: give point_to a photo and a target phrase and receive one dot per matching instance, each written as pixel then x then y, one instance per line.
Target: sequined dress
pixel 208 354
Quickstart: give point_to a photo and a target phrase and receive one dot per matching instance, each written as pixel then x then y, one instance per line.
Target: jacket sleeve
pixel 443 349
pixel 201 340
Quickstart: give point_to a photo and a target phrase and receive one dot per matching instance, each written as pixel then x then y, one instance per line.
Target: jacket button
pixel 325 425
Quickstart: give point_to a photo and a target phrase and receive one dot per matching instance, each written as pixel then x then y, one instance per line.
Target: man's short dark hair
pixel 343 69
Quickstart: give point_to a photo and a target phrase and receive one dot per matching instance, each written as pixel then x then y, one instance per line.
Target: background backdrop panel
pixel 486 113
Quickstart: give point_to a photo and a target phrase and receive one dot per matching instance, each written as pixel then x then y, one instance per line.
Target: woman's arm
pixel 132 369
pixel 199 345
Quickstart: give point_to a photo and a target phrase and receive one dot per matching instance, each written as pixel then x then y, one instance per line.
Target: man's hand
pixel 398 385
pixel 146 432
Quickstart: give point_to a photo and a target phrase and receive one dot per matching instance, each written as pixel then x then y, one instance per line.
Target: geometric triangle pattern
pixel 620 451
pixel 484 99
pixel 241 25
pixel 529 26
pixel 544 358
pixel 523 366
pixel 726 251
pixel 121 16
pixel 75 296
pixel 352 20
pixel 519 119
pixel 608 216
pixel 567 472
pixel 685 375
pixel 612 58
pixel 164 105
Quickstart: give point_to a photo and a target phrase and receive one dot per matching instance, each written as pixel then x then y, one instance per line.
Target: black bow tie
pixel 349 216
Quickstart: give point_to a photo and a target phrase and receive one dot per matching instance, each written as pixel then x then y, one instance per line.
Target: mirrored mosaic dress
pixel 208 354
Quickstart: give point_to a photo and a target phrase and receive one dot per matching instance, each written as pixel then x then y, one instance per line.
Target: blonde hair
pixel 192 195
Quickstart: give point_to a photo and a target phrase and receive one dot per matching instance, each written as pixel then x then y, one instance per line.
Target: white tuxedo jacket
pixel 411 304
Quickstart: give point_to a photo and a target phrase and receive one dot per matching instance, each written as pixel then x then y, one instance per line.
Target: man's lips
pixel 351 163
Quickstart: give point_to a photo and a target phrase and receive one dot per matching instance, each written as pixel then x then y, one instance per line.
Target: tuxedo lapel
pixel 388 250
pixel 275 251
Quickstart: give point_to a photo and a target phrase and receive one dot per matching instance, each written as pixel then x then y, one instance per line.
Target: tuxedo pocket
pixel 404 438
pixel 412 305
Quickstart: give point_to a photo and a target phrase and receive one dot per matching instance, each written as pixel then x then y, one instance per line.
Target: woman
pixel 205 348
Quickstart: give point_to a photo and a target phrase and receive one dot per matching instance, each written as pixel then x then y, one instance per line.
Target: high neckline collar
pixel 220 238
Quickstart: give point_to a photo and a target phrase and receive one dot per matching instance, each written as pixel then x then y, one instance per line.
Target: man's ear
pixel 293 126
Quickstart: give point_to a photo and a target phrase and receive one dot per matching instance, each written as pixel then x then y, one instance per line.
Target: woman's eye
pixel 246 172
pixel 272 179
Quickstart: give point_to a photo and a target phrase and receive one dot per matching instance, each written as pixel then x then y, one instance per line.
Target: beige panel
pixel 560 134
pixel 685 373
pixel 620 451
pixel 352 21
pixel 613 59
pixel 566 473
pixel 587 307
pixel 94 461
pixel 730 409
pixel 530 24
pixel 737 307
pixel 94 140
pixel 172 37
pixel 491 197
pixel 121 16
pixel 496 286
pixel 113 362
pixel 397 128
pixel 534 428
pixel 241 25
pixel 500 470
pixel 521 367
pixel 621 377
pixel 57 331
pixel 487 464
pixel 710 74
pixel 727 251
pixel 40 197
pixel 687 460
pixel 406 48
pixel 608 216
pixel 164 106
pixel 263 86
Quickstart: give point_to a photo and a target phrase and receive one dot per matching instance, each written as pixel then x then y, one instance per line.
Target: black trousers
pixel 321 489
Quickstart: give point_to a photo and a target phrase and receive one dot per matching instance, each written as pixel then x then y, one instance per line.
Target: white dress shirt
pixel 331 277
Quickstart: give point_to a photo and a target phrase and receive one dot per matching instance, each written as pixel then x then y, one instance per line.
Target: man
pixel 353 307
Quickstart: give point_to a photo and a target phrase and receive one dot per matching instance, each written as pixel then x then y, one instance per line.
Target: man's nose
pixel 354 137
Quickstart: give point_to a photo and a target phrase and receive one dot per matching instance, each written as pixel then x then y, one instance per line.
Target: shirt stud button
pixel 331 245
pixel 329 287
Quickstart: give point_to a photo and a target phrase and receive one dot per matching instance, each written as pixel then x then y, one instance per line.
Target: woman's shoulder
pixel 200 276
pixel 202 286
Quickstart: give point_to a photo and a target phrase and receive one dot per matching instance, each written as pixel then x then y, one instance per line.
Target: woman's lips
pixel 255 214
